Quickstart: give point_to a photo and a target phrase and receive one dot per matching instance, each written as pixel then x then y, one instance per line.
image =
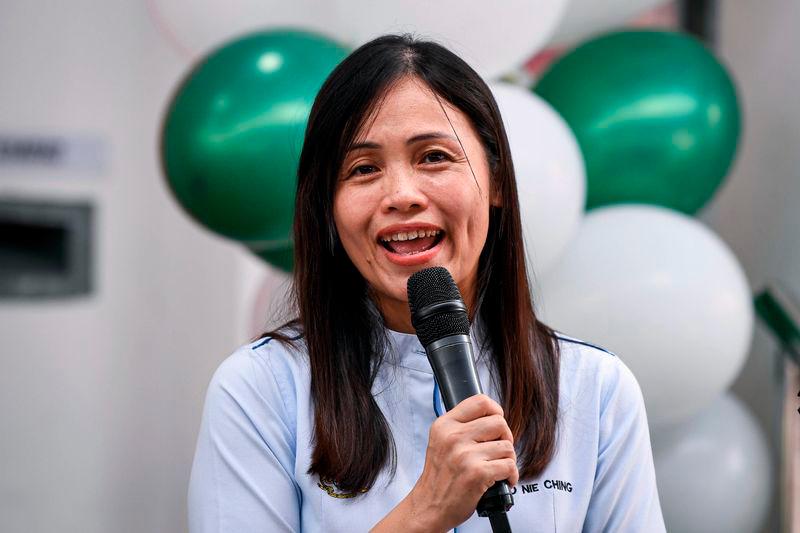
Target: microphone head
pixel 432 286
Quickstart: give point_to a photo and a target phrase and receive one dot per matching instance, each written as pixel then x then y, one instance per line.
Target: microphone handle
pixel 453 365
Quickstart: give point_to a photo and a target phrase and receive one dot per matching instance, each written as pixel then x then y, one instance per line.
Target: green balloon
pixel 234 130
pixel 283 258
pixel 655 114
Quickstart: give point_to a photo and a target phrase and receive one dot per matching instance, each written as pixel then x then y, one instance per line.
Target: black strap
pixel 499 522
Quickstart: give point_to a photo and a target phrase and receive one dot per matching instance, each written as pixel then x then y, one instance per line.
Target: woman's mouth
pixel 412 242
pixel 412 247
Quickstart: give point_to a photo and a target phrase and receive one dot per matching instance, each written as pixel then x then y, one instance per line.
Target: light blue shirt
pixel 254 447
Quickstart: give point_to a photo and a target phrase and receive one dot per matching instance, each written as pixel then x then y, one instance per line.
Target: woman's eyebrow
pixel 365 144
pixel 430 135
pixel 427 136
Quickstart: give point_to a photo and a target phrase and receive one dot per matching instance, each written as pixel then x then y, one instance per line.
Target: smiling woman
pixel 332 422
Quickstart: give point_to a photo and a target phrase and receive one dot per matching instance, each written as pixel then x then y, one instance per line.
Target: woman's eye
pixel 363 170
pixel 435 157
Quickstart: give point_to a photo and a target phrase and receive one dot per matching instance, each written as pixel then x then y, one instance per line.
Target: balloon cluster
pixel 657 119
pixel 619 143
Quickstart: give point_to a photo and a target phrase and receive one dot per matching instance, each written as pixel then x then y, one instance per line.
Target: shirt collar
pixel 409 352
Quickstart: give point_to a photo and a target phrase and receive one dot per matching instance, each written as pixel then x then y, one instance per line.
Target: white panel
pixel 100 397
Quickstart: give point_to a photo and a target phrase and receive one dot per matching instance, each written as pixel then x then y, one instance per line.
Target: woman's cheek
pixel 354 206
pixel 366 197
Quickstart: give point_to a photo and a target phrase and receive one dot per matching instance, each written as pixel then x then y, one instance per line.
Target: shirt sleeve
pixel 242 476
pixel 624 495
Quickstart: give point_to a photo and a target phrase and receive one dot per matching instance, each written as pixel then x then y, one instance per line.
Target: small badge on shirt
pixel 333 491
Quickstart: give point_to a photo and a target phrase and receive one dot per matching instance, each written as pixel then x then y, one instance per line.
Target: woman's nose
pixel 403 192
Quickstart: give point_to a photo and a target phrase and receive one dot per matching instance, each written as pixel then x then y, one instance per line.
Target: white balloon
pixel 714 471
pixel 663 292
pixel 493 37
pixel 194 27
pixel 551 178
pixel 584 18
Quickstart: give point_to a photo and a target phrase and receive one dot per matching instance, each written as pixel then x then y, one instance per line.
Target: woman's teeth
pixel 410 235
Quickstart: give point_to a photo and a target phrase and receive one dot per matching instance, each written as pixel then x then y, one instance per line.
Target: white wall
pixel 100 396
pixel 758 210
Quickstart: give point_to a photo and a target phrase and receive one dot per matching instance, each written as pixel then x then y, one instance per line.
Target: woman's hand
pixel 469 448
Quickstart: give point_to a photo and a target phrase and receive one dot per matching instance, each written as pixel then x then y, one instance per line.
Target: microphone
pixel 439 316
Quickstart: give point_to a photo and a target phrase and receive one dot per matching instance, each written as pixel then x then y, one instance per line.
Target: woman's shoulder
pixel 587 367
pixel 267 353
pixel 264 371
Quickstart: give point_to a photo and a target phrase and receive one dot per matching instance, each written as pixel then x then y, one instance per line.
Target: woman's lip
pixel 413 259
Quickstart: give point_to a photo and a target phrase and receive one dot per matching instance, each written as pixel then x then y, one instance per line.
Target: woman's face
pixel 407 199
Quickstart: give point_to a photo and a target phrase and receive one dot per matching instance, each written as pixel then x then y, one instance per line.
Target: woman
pixel 332 422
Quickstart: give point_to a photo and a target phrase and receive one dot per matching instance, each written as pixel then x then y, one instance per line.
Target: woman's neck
pixel 397 315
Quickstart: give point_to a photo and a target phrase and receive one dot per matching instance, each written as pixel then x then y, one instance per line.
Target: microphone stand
pixel 494 505
pixel 499 522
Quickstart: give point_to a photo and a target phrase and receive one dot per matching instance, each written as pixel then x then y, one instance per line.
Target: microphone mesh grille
pixel 430 286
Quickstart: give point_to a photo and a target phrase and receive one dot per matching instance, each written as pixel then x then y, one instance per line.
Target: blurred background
pixel 147 152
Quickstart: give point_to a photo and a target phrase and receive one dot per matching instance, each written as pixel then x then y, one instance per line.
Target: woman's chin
pixel 391 294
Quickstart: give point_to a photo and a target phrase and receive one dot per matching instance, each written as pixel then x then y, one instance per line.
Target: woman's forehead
pixel 409 107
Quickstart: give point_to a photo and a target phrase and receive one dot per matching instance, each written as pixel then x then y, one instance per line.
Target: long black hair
pixel 342 329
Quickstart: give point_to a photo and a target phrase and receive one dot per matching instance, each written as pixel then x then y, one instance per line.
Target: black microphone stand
pixel 494 504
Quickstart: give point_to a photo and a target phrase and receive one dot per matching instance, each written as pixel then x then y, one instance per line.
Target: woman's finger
pixel 502 469
pixel 474 407
pixel 493 450
pixel 492 427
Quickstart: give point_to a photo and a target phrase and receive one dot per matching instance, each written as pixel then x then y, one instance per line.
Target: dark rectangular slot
pixel 44 249
pixel 36 249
